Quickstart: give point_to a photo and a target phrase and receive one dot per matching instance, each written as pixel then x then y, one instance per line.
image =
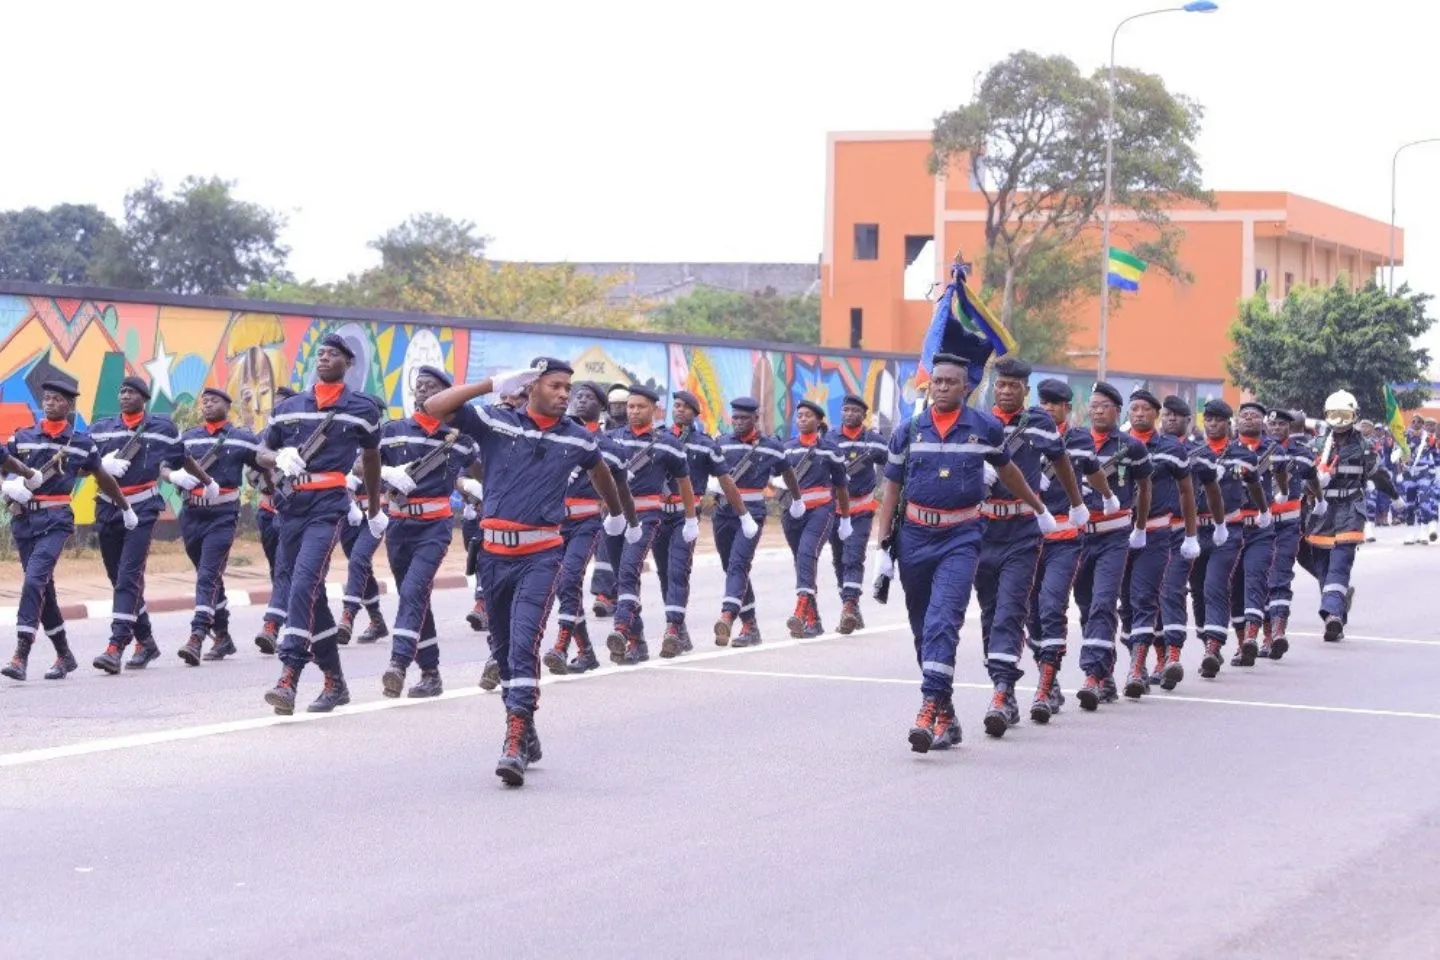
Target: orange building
pixel 884 214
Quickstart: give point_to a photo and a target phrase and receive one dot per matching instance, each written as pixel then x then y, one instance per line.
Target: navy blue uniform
pixel 1297 457
pixel 823 473
pixel 583 531
pixel 766 460
pixel 207 526
pixel 42 525
pixel 1140 587
pixel 1010 547
pixel 1174 582
pixel 1334 536
pixel 1231 465
pixel 1059 557
pixel 864 454
pixel 1106 549
pixel 359 546
pixel 1250 586
pixel 124 552
pixel 652 484
pixel 943 476
pixel 314 507
pixel 674 558
pixel 528 469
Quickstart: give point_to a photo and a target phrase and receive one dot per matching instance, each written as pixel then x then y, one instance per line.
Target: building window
pixel 1262 277
pixel 857 327
pixel 1289 282
pixel 919 274
pixel 867 241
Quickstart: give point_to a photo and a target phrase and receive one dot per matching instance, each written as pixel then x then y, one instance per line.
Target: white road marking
pixel 1416 641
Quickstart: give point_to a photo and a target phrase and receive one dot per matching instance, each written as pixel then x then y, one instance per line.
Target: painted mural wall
pixel 180 350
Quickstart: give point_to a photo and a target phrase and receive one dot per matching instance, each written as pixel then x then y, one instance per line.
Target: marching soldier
pixel 472 492
pixel 1337 525
pixel 583 531
pixel 1171 494
pixel 359 546
pixel 1116 526
pixel 422 459
pixel 530 455
pixel 657 463
pixel 823 489
pixel 1175 422
pixel 44 463
pixel 1016 520
pixel 267 521
pixel 1228 469
pixel 312 441
pixel 753 460
pixel 864 452
pixel 207 524
pixel 1060 551
pixel 607 558
pixel 674 549
pixel 133 448
pixel 1250 588
pixel 1298 459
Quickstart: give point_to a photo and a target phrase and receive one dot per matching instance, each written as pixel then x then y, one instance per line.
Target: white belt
pixel 757 497
pixel 1343 494
pixel 577 511
pixel 32 506
pixel 1006 509
pixel 518 538
pixel 865 501
pixel 1161 522
pixel 203 501
pixel 407 509
pixel 931 517
pixel 133 498
pixel 815 496
pixel 672 507
pixel 1108 526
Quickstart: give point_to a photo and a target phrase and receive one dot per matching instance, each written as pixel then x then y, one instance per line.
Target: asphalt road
pixel 736 804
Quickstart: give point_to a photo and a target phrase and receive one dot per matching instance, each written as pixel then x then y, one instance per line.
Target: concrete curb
pixel 238 599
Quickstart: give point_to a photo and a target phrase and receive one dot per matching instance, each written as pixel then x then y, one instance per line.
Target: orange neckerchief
pixel 639 431
pixel 1251 446
pixel 542 421
pixel 1004 417
pixel 592 425
pixel 808 439
pixel 427 423
pixel 852 436
pixel 132 420
pixel 53 428
pixel 213 427
pixel 676 429
pixel 327 394
pixel 944 422
pixel 750 437
pixel 1218 446
pixel 1099 439
pixel 1144 436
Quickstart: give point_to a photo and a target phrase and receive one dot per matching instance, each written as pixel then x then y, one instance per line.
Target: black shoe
pixel 1004 712
pixel 723 628
pixel 222 647
pixel 686 644
pixel 670 644
pixel 554 661
pixel 109 661
pixel 1109 693
pixel 1089 694
pixel 947 728
pixel 345 629
pixel 15 669
pixel 1245 656
pixel 193 650
pixel 604 606
pixel 375 632
pixel 616 644
pixel 64 666
pixel 514 752
pixel 1174 670
pixel 429 685
pixel 392 681
pixel 922 732
pixel 584 661
pixel 268 638
pixel 749 636
pixel 1334 630
pixel 282 695
pixel 146 653
pixel 490 676
pixel 637 651
pixel 532 745
pixel 335 694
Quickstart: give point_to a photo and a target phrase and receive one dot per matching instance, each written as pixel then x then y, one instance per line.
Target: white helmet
pixel 1341 409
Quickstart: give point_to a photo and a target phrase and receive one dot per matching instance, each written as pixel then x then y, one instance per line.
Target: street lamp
pixel 1195 6
pixel 1393 161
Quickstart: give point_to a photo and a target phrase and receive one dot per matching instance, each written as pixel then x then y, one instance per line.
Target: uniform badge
pixel 944 472
pixel 541 366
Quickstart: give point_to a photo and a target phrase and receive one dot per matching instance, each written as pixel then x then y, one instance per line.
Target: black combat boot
pixel 193 649
pixel 377 629
pixel 282 695
pixel 146 653
pixel 670 644
pixel 1210 664
pixel 268 638
pixel 1040 707
pixel 1137 682
pixel 1003 712
pixel 922 731
pixel 1174 670
pixel 15 669
pixel 554 658
pixel 478 617
pixel 345 629
pixel 392 681
pixel 1279 642
pixel 1089 694
pixel 429 685
pixel 947 727
pixel 223 646
pixel 109 661
pixel 1249 647
pixel 723 628
pixel 64 660
pixel 490 675
pixel 849 617
pixel 334 694
pixel 514 752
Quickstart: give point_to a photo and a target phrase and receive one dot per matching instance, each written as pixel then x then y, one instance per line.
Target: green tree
pixel 59 245
pixel 744 316
pixel 559 293
pixel 413 247
pixel 199 240
pixel 1033 137
pixel 1322 340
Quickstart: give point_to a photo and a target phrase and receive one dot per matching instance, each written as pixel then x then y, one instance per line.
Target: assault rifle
pixel 132 446
pixel 891 544
pixel 47 472
pixel 786 498
pixel 313 444
pixel 209 459
pixel 642 457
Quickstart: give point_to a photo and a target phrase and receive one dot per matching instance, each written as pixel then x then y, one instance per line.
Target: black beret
pixel 1218 408
pixel 1109 393
pixel 551 365
pixel 851 400
pixel 136 384
pixel 1145 396
pixel 1254 405
pixel 1286 416
pixel 640 390
pixel 687 398
pixel 1176 405
pixel 217 392
pixel 745 405
pixel 1055 391
pixel 957 360
pixel 594 388
pixel 66 388
pixel 437 374
pixel 812 406
pixel 338 342
pixel 285 393
pixel 1012 367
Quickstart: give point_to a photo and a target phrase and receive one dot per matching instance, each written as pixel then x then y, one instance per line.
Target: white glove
pixel 887 564
pixel 1323 478
pixel 845 528
pixel 1111 504
pixel 797 508
pixel 748 527
pixel 352 482
pixel 1080 515
pixel 289 462
pixel 469 511
pixel 691 531
pixel 1320 508
pixel 378 524
pixel 33 481
pixel 475 489
pixel 131 521
pixel 398 478
pixel 1221 534
pixel 1044 483
pixel 634 532
pixel 613 525
pixel 513 381
pixel 1396 456
pixel 212 489
pixel 990 476
pixel 14 489
pixel 1138 538
pixel 1190 548
pixel 1369 486
pixel 1046 520
pixel 113 465
pixel 184 479
pixel 1279 497
pixel 355 516
pixel 1264 519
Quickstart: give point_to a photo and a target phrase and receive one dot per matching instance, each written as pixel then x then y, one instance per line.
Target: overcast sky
pixel 631 130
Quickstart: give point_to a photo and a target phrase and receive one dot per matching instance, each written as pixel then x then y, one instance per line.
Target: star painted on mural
pixel 159 370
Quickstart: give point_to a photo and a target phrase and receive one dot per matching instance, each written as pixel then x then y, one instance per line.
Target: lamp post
pixel 1394 160
pixel 1195 6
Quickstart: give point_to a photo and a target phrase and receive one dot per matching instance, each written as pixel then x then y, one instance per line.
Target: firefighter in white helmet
pixel 1337 521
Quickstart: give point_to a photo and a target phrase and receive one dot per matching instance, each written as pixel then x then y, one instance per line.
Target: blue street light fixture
pixel 1194 6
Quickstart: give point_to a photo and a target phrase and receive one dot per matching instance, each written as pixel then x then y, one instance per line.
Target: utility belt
pixel 673 506
pixel 40 501
pixel 136 494
pixel 935 517
pixel 1109 522
pixel 508 538
pixel 267 503
pixel 816 496
pixel 752 496
pixel 1344 495
pixel 420 508
pixel 226 495
pixel 648 502
pixel 1247 517
pixel 1162 522
pixel 864 504
pixel 1064 529
pixel 1205 521
pixel 318 481
pixel 1287 510
pixel 579 509
pixel 1006 510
